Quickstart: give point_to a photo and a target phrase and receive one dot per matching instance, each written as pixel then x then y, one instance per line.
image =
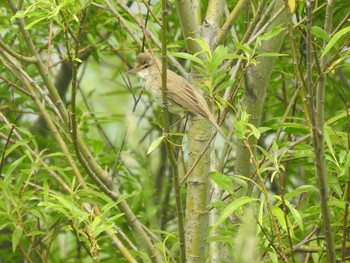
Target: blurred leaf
pixel 233 206
pixel 222 181
pixel 16 237
pixel 224 85
pixel 271 54
pixel 291 4
pixel 300 190
pixel 320 33
pixel 245 48
pixel 186 56
pixel 254 130
pixel 334 40
pixel 271 34
pixel 204 46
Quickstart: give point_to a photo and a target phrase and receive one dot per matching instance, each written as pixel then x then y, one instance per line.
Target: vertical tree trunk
pixel 256 83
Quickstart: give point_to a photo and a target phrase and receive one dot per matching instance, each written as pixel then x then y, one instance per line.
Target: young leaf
pixel 155 144
pixel 254 130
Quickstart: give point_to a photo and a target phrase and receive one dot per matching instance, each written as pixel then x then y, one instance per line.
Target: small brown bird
pixel 180 91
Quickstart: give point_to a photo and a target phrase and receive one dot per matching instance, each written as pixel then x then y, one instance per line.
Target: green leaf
pixel 272 54
pixel 335 185
pixel 232 207
pixel 300 190
pixel 219 52
pixel 186 56
pixel 233 56
pixel 298 218
pixel 30 25
pixel 222 181
pixel 245 48
pixel 241 125
pixel 334 40
pixel 155 144
pixel 267 154
pixel 295 213
pixel 346 164
pixel 254 130
pixel 336 118
pixel 12 166
pixel 274 32
pixel 224 85
pixel 327 138
pixel 278 213
pixel 204 46
pixel 16 145
pixel 263 129
pixel 201 70
pixel 36 233
pixel 16 237
pixel 320 33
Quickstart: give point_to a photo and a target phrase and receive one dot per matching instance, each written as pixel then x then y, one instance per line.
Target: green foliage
pixel 53 209
pixel 61 11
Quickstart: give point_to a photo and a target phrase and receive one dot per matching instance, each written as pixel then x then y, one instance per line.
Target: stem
pixel 346 197
pixel 223 32
pixel 169 146
pixel 317 121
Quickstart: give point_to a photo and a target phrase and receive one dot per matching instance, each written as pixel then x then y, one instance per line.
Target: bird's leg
pixel 165 104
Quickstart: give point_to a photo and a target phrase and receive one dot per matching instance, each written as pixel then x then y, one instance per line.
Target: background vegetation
pixel 94 170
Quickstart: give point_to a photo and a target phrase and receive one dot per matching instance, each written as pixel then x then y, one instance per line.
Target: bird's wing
pixel 181 92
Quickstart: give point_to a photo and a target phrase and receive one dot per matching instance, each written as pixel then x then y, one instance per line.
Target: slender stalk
pixel 282 181
pixel 269 208
pixel 346 197
pixel 223 32
pixel 15 54
pixel 256 19
pixel 300 82
pixel 169 147
pixel 317 121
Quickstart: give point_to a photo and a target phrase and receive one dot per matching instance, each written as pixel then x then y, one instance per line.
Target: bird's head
pixel 143 65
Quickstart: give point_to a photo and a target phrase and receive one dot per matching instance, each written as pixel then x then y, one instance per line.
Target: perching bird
pixel 180 91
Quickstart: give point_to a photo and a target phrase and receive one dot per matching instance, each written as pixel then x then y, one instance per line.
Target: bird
pixel 180 93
